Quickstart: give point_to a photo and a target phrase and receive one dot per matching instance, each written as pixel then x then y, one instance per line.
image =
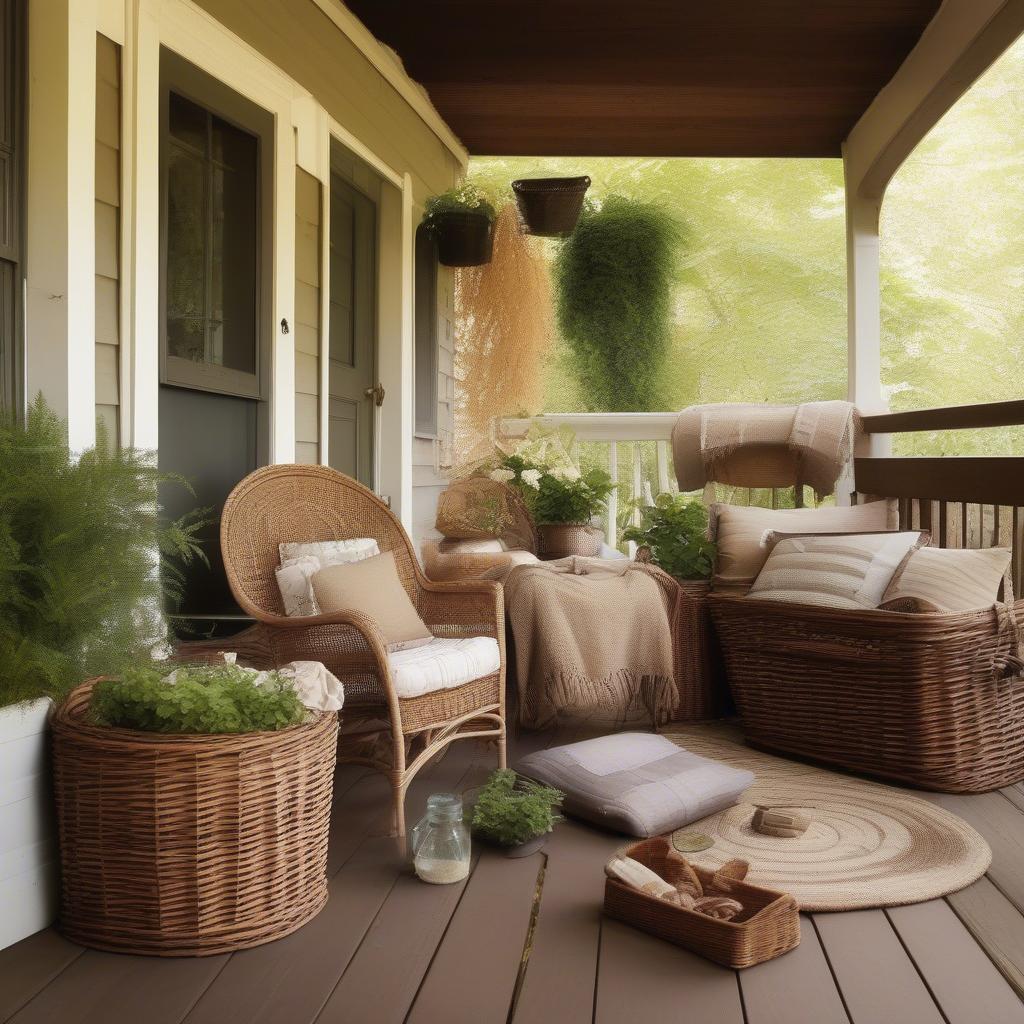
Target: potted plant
pixel 515 813
pixel 550 206
pixel 193 807
pixel 461 222
pixel 672 534
pixel 79 594
pixel 562 500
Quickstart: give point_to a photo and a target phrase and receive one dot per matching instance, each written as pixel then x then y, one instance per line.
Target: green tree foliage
pixel 201 699
pixel 614 278
pixel 81 591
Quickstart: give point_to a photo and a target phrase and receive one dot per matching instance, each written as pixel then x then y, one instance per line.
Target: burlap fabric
pixel 478 508
pixel 764 445
pixel 593 640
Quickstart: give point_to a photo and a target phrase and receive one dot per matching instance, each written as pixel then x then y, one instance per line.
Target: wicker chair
pixel 313 503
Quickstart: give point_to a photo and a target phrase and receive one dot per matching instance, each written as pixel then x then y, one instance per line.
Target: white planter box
pixel 28 849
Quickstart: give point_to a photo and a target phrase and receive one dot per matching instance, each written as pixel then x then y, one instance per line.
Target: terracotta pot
pixel 550 206
pixel 464 238
pixel 560 540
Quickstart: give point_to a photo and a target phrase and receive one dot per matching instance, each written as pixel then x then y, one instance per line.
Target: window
pixel 426 334
pixel 213 201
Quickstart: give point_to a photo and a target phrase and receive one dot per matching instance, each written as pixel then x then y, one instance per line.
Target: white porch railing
pixel 645 435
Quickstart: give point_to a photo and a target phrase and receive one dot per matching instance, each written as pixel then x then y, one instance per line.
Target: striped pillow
pixel 740 530
pixel 947 580
pixel 846 571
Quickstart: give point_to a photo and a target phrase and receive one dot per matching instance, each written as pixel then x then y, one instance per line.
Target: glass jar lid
pixel 443 807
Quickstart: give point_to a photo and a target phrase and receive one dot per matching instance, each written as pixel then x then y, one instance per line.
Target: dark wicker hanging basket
pixel 464 238
pixel 550 206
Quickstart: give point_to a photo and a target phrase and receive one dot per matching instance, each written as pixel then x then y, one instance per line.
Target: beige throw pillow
pixel 947 580
pixel 372 586
pixel 302 560
pixel 740 533
pixel 845 571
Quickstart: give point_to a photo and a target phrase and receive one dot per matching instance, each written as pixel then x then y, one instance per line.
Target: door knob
pixel 376 393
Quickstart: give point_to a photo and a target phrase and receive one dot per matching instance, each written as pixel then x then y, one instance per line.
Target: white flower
pixel 568 473
pixel 503 476
pixel 531 477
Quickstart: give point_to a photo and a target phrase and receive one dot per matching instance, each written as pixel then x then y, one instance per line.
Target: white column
pixel 61 225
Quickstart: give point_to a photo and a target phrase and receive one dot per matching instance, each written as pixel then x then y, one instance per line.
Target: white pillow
pixel 844 571
pixel 947 580
pixel 301 561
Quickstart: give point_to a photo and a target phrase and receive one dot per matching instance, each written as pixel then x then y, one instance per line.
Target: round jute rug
pixel 868 844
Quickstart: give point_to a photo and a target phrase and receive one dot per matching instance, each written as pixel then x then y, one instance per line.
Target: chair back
pixel 292 503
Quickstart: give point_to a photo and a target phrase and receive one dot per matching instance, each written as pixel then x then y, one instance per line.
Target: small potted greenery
pixel 672 534
pixel 515 813
pixel 461 223
pixel 193 803
pixel 562 500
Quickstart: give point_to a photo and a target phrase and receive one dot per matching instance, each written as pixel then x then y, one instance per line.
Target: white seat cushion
pixel 443 664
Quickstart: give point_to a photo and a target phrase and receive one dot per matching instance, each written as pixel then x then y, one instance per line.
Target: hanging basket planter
pixel 464 238
pixel 550 206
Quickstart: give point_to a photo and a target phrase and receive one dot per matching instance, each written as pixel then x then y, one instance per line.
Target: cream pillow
pixel 740 532
pixel 947 580
pixel 299 561
pixel 372 586
pixel 845 571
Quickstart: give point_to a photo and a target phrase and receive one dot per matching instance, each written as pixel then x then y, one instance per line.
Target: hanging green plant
pixel 613 279
pixel 461 222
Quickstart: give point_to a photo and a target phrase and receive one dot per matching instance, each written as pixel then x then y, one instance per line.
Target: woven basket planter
pixel 189 845
pixel 927 699
pixel 550 206
pixel 464 238
pixel 560 540
pixel 768 927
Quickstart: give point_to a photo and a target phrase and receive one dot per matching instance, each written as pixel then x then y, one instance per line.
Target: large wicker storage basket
pixel 189 845
pixel 769 926
pixel 929 699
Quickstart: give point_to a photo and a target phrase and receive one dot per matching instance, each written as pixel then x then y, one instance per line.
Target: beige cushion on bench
pixel 947 580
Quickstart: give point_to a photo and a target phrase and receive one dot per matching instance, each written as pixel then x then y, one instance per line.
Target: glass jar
pixel 440 842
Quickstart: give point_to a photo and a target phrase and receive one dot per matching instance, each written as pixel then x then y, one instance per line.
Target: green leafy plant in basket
pixel 674 531
pixel 510 810
pixel 466 197
pixel 557 494
pixel 197 699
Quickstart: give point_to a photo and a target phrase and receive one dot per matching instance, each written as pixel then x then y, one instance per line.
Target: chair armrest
pixel 476 604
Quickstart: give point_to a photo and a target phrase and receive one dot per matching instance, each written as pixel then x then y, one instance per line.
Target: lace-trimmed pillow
pixel 947 580
pixel 844 571
pixel 300 561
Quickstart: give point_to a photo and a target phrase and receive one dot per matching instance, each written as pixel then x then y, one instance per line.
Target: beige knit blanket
pixel 806 444
pixel 592 640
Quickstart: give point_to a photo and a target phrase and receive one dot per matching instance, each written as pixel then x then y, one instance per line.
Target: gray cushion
pixel 635 782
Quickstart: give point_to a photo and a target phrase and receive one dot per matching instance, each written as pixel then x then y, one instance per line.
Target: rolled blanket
pixel 592 639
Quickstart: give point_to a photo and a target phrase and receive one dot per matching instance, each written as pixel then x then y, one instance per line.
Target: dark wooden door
pixel 12 160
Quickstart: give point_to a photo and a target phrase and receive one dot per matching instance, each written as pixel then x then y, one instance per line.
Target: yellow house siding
pixel 307 317
pixel 108 203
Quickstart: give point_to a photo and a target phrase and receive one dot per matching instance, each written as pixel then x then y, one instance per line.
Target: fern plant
pixel 199 699
pixel 86 558
pixel 674 529
pixel 510 810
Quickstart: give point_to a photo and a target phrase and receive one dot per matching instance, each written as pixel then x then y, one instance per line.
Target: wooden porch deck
pixel 387 948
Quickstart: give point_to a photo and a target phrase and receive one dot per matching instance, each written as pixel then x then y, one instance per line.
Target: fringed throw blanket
pixel 592 640
pixel 806 444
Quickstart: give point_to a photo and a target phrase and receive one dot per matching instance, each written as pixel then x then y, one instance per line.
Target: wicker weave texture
pixel 927 699
pixel 189 845
pixel 769 926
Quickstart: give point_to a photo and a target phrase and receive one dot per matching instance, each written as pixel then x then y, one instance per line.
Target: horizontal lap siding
pixel 108 226
pixel 307 317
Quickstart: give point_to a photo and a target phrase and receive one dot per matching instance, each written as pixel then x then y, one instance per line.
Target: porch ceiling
pixel 650 77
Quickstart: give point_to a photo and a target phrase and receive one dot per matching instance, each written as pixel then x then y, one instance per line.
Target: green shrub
pixel 675 531
pixel 202 699
pixel 613 284
pixel 510 810
pixel 82 538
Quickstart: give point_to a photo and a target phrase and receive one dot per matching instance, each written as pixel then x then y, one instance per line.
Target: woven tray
pixel 769 926
pixel 189 845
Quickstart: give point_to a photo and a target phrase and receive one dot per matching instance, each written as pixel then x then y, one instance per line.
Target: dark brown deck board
pixel 484 942
pixel 115 988
pixel 878 980
pixel 644 978
pixel 963 980
pixel 27 967
pixel 996 924
pixel 768 989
